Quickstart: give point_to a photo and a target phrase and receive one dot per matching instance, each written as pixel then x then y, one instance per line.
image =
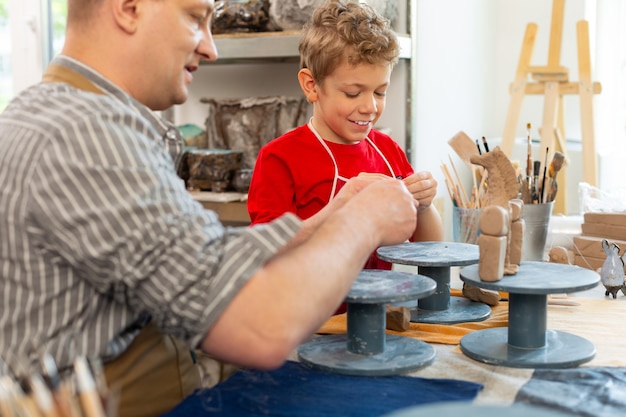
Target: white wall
pixel 609 110
pixel 454 55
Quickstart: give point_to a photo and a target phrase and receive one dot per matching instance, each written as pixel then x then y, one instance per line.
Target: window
pixel 5 56
pixel 28 42
pixel 57 13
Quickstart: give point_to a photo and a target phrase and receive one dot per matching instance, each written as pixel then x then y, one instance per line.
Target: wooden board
pixel 607 231
pixel 616 219
pixel 588 262
pixel 592 246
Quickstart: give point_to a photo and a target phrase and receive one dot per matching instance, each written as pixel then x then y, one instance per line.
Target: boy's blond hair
pixel 346 30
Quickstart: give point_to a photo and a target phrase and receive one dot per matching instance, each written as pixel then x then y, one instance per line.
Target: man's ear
pixel 308 85
pixel 126 13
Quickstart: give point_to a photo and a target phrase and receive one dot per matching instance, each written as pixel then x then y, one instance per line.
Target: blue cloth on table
pixel 297 390
pixel 584 391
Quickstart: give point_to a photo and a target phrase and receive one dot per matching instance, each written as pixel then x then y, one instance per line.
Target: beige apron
pixel 157 371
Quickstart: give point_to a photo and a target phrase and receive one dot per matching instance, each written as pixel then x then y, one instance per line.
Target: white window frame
pixel 29 32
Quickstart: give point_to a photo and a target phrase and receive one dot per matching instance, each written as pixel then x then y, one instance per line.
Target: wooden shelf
pixel 233 213
pixel 231 208
pixel 273 46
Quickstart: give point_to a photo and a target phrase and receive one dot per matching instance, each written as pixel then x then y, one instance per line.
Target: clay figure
pixel 559 255
pixel 516 233
pixel 501 177
pixel 492 242
pixel 612 271
pixel 503 187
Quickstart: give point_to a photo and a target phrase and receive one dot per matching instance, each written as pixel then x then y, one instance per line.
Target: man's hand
pixel 355 184
pixel 379 198
pixel 386 205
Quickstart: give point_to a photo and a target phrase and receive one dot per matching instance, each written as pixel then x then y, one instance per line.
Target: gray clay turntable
pixel 434 259
pixel 527 343
pixel 366 349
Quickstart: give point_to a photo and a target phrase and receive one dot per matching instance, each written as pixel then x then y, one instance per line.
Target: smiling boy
pixel 347 54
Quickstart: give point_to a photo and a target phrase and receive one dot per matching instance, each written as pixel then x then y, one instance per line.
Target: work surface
pixel 597 388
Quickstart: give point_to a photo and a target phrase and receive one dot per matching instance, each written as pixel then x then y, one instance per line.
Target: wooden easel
pixel 553 82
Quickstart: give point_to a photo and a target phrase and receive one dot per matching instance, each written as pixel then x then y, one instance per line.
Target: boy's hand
pixel 423 186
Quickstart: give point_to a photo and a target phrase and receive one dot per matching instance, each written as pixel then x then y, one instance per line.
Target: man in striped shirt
pixel 104 253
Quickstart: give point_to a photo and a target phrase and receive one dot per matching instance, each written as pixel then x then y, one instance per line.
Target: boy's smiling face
pixel 348 102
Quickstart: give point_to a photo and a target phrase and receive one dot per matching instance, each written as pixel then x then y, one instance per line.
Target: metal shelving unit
pixel 245 48
pixel 279 46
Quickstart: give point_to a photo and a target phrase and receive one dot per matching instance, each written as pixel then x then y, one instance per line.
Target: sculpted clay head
pixel 501 176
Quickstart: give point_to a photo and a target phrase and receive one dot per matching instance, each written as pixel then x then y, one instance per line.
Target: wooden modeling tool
pixel 65 402
pixel 87 390
pixel 24 400
pixel 464 147
pixel 7 407
pixel 465 199
pixel 43 397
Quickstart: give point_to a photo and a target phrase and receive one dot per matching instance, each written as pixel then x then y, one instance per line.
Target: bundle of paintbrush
pixel 537 189
pixel 27 391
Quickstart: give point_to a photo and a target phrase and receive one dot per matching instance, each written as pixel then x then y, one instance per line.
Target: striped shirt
pixel 98 233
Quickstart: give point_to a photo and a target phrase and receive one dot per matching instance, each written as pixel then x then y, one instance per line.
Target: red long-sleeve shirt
pixel 294 173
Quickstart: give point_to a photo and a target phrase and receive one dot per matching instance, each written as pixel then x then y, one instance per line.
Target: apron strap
pixel 60 74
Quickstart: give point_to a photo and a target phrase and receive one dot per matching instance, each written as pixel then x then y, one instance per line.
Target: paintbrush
pixel 529 159
pixel 485 144
pixel 536 191
pixel 542 196
pixel 558 162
